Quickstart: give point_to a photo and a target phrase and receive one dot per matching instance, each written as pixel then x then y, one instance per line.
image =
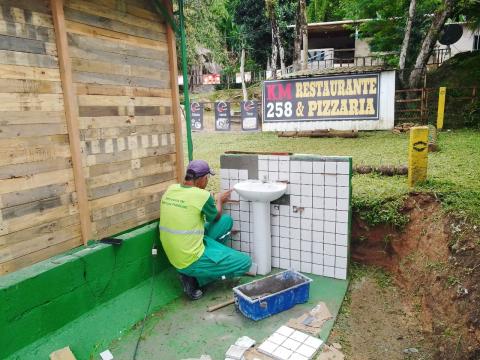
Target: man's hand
pixel 224 196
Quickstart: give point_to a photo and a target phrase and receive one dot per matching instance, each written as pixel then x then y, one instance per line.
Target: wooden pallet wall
pixel 120 55
pixel 38 210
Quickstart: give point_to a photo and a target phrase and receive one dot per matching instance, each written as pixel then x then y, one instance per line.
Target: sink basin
pixel 256 190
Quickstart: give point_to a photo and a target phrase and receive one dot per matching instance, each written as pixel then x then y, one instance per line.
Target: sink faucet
pixel 264 179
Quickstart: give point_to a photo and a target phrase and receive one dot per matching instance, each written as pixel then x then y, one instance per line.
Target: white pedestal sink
pixel 261 194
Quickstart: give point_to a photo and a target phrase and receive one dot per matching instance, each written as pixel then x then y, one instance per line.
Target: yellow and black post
pixel 417 155
pixel 441 107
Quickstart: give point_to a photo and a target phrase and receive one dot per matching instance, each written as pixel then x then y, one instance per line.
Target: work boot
pixel 190 287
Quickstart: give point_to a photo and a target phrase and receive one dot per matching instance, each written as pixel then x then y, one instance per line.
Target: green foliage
pixel 317 10
pixel 376 212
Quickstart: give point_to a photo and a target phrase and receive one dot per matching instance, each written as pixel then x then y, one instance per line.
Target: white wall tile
pixel 317 248
pixel 284 242
pixel 233 173
pixel 306 267
pixel 329 238
pixel 284 232
pixel 331 180
pixel 235 215
pixel 341 239
pixel 306 179
pixel 342 216
pixel 342 204
pixel 306 256
pixel 263 157
pixel 284 176
pixel 307 213
pixel 274 220
pixel 263 165
pixel 284 252
pixel 293 210
pixel 236 226
pixel 341 262
pixel 295 200
pixel 330 167
pixel 295 166
pixel 284 210
pixel 305 245
pixel 328 271
pixel 272 157
pixel 341 251
pixel 306 190
pixel 341 228
pixel 224 184
pixel 244 226
pixel 274 209
pixel 317 236
pixel 244 246
pixel 306 235
pixel 284 264
pixel 272 176
pixel 294 233
pixel 343 192
pixel 318 190
pixel 317 258
pixel 318 179
pixel 306 167
pixel 330 191
pixel 295 189
pixel 329 249
pixel 243 174
pixel 317 225
pixel 343 180
pixel 331 203
pixel 341 273
pixel 275 262
pixel 224 174
pixel 284 166
pixel 295 223
pixel 318 167
pixel 318 202
pixel 275 251
pixel 306 201
pixel 295 244
pixel 285 221
pixel 275 230
pixel 343 167
pixel 244 205
pixel 263 175
pixel 273 165
pixel 329 226
pixel 275 241
pixel 317 269
pixel 244 216
pixel 295 254
pixel 306 224
pixel 235 206
pixel 330 215
pixel 295 178
pixel 329 260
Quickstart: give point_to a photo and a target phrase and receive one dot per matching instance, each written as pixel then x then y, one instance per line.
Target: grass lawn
pixel 453 173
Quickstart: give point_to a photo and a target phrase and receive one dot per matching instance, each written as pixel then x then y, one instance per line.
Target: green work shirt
pixel 183 213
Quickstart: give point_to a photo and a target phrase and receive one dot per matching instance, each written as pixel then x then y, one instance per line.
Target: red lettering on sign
pixel 278 92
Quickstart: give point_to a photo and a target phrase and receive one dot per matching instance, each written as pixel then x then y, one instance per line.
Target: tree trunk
pixel 428 43
pixel 305 49
pixel 242 75
pixel 281 50
pixel 406 40
pixel 297 44
pixel 304 32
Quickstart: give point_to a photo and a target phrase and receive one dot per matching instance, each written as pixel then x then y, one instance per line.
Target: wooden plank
pixel 27 31
pixel 102 100
pixel 24 130
pixel 172 58
pixel 83 29
pixel 19 15
pixel 42 231
pixel 103 213
pixel 112 90
pixel 95 8
pixel 13 43
pixel 106 67
pixel 97 45
pixel 18 154
pixel 29 86
pixel 26 59
pixel 29 73
pixel 122 121
pixel 40 255
pixel 31 117
pixel 111 24
pixel 129 195
pixel 16 198
pixel 123 226
pixel 28 169
pixel 37 180
pixel 41 6
pixel 110 79
pixel 35 102
pixel 14 251
pixel 137 214
pixel 119 59
pixel 71 109
pixel 107 133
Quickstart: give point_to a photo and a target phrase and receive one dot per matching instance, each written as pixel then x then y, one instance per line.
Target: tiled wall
pixel 310 223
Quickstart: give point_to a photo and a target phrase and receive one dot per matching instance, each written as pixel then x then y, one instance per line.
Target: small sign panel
pixel 196 111
pixel 211 79
pixel 249 115
pixel 248 77
pixel 222 116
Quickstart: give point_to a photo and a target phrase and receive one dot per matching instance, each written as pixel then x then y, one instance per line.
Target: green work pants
pixel 218 259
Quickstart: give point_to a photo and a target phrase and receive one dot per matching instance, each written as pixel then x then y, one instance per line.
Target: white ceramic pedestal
pixel 262 237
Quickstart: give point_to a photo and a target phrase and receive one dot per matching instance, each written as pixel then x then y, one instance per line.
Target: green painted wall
pixel 41 299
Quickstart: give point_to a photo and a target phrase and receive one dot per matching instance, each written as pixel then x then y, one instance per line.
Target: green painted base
pixel 91 333
pixel 184 329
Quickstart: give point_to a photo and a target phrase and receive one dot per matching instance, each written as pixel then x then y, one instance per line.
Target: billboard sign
pixel 222 116
pixel 196 111
pixel 249 115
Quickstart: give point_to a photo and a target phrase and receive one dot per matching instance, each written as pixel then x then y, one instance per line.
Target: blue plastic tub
pixel 273 294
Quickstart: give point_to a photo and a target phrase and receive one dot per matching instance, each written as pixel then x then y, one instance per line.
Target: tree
pixel 277 46
pixel 406 39
pixel 301 33
pixel 316 10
